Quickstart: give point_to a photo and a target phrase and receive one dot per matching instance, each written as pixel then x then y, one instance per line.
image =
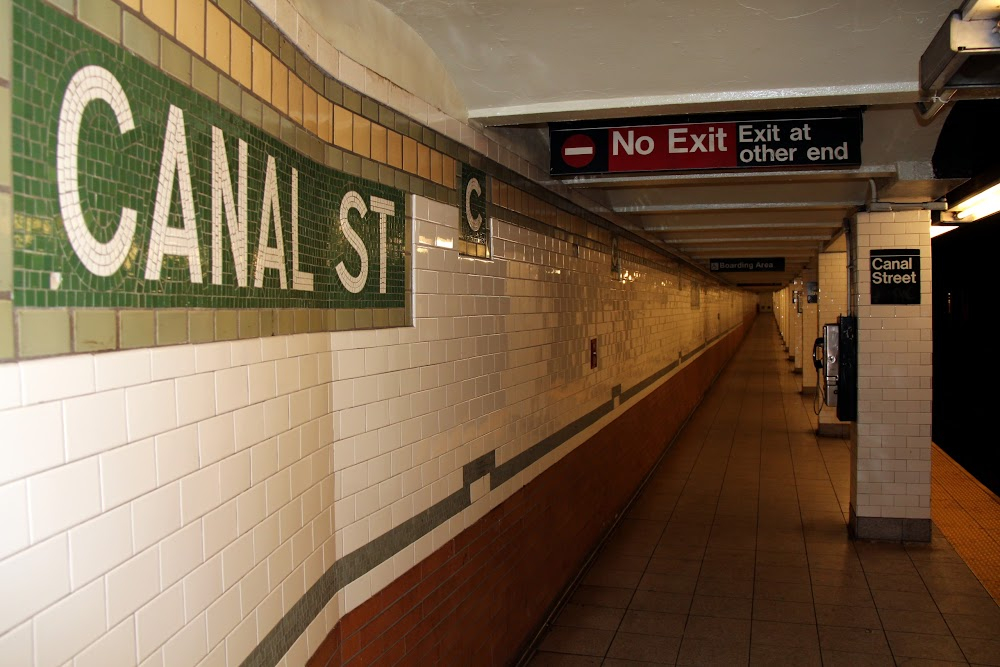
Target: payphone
pixel 835 353
pixel 826 356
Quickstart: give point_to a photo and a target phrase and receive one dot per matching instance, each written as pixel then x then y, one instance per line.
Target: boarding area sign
pixel 747 264
pixel 710 142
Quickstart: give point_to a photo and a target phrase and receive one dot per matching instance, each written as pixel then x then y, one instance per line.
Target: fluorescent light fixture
pixel 938 230
pixel 979 205
pixel 978 10
pixel 964 52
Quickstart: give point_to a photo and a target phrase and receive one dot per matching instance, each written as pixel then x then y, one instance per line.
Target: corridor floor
pixel 737 553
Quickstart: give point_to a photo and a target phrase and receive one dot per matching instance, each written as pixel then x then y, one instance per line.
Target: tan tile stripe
pixel 969 516
pixel 236 40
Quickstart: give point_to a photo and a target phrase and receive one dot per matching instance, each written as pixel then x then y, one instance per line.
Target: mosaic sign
pixel 616 259
pixel 475 238
pixel 132 190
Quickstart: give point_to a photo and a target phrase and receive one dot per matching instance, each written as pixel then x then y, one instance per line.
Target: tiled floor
pixel 737 553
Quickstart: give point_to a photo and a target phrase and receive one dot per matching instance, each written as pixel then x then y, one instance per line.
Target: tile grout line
pixel 805 546
pixel 760 470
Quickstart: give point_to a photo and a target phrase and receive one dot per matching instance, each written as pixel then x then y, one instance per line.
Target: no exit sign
pixel 734 142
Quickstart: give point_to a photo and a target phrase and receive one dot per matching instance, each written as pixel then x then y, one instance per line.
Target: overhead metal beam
pixel 805 248
pixel 758 225
pixel 729 101
pixel 756 253
pixel 647 180
pixel 746 239
pixel 736 206
pixel 744 251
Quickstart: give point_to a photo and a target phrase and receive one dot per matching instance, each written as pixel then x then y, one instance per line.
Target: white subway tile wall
pixel 895 342
pixel 189 496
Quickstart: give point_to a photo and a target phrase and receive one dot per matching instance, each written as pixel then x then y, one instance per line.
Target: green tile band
pixel 132 190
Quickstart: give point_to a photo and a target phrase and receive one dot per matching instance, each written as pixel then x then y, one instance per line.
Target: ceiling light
pixel 938 230
pixel 979 205
pixel 977 10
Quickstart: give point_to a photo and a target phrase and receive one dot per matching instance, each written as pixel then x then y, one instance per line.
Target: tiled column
pixel 832 303
pixel 776 307
pixel 809 315
pixel 891 440
pixel 783 316
pixel 795 344
pixel 787 332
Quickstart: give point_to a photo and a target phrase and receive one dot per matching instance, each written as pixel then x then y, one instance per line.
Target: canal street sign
pixel 895 276
pixel 134 191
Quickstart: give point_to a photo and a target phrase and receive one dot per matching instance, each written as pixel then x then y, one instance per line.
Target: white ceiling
pixel 527 62
pixel 546 59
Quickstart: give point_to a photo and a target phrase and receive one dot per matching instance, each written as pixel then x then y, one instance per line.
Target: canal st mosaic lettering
pixel 134 191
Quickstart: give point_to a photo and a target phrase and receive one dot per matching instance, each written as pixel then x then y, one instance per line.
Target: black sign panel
pixel 732 141
pixel 895 276
pixel 475 237
pixel 747 264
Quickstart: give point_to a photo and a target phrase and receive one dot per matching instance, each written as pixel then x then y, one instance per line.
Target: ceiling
pixel 525 63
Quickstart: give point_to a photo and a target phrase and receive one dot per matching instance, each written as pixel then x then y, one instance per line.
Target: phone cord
pixel 820 398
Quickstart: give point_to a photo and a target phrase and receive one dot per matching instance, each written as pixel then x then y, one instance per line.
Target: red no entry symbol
pixel 578 151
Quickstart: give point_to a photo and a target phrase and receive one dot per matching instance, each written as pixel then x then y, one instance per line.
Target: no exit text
pixel 724 144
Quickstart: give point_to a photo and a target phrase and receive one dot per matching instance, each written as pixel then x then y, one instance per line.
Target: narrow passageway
pixel 737 552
